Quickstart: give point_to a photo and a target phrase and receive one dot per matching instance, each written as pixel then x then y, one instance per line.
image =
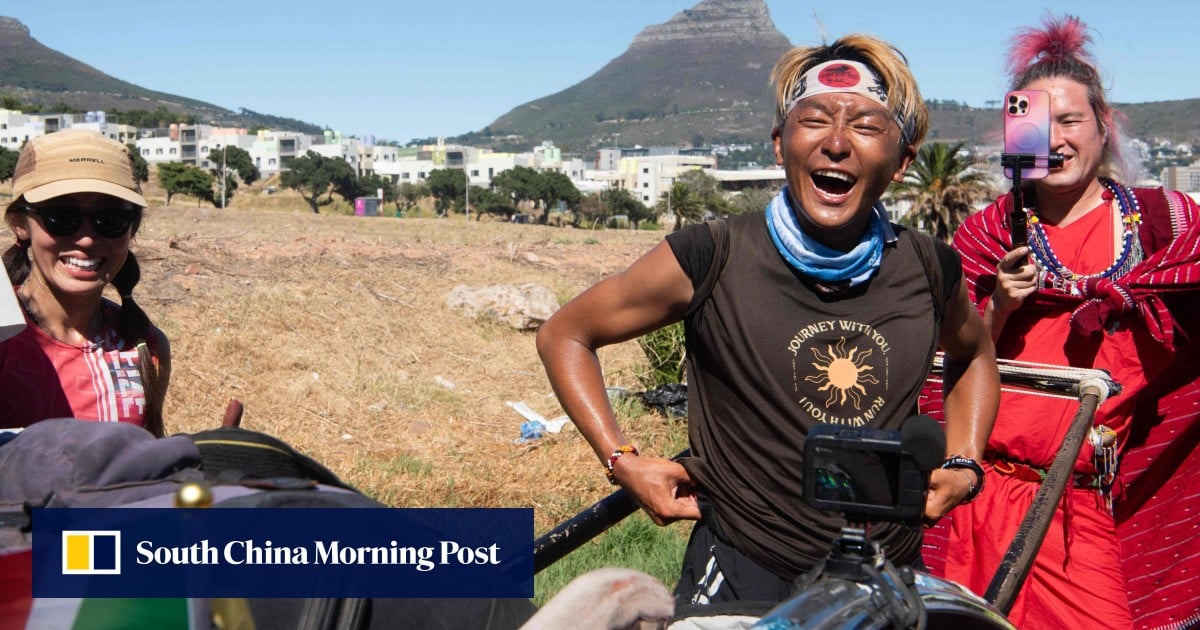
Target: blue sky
pixel 403 69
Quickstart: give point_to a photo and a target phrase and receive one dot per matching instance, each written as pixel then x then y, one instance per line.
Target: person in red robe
pixel 1110 279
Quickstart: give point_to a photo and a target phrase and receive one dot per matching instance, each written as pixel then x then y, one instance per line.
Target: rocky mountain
pixel 702 77
pixel 699 77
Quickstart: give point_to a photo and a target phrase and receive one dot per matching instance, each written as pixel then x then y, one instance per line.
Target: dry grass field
pixel 334 332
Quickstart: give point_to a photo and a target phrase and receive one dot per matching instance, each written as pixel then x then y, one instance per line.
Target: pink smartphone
pixel 1027 130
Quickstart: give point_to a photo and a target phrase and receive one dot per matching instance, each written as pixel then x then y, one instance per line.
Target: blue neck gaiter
pixel 813 259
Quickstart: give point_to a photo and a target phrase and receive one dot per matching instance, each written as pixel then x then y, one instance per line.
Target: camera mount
pixel 1016 162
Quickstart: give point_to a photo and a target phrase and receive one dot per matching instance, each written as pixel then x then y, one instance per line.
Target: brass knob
pixel 193 495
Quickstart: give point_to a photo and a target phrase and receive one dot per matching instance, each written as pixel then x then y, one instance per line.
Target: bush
pixel 665 350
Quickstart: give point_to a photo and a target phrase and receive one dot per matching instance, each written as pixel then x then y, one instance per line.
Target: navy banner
pixel 272 552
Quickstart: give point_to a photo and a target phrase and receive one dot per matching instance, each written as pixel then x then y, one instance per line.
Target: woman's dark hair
pixel 16 261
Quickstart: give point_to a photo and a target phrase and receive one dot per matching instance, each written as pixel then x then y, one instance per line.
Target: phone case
pixel 1027 130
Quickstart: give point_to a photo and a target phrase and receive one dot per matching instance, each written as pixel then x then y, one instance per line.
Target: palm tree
pixel 683 202
pixel 944 188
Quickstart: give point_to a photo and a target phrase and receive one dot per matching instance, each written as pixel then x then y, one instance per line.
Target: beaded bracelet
pixel 959 462
pixel 612 460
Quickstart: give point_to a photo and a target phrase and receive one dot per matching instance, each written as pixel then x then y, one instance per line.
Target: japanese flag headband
pixel 854 77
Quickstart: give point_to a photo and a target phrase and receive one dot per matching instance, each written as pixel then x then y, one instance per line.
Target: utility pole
pixel 224 172
pixel 670 185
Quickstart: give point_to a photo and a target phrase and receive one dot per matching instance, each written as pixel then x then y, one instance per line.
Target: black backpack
pixel 74 463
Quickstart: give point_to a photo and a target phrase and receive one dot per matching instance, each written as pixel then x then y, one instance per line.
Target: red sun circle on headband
pixel 839 76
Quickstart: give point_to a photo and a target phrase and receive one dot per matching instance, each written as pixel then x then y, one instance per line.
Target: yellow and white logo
pixel 91 552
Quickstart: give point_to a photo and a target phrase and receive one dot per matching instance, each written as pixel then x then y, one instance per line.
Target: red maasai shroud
pixel 1158 508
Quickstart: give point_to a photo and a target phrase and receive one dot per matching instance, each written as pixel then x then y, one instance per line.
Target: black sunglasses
pixel 66 220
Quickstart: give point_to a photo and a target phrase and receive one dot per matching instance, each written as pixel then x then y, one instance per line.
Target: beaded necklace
pixel 1052 274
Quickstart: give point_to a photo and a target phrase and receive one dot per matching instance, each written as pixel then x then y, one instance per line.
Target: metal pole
pixel 586 525
pixel 1018 560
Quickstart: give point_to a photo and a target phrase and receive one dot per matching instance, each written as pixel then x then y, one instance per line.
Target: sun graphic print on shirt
pixel 840 371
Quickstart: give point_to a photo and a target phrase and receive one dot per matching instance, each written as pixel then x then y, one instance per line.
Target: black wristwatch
pixel 958 461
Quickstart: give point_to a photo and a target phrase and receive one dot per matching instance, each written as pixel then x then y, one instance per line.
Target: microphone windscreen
pixel 923 438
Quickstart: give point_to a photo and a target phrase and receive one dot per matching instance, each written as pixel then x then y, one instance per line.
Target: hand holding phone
pixel 1027 130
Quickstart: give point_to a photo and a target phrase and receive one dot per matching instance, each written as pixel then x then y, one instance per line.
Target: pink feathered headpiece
pixel 1061 38
pixel 1062 44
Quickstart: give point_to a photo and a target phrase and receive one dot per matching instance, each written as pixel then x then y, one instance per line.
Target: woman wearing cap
pixel 1109 280
pixel 817 310
pixel 76 205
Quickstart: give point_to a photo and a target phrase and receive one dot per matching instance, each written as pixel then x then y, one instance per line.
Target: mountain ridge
pixel 34 73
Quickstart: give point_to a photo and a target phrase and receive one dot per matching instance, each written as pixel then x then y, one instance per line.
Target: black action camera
pixel 863 473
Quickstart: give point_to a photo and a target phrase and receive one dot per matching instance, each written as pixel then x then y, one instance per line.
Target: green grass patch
pixel 635 543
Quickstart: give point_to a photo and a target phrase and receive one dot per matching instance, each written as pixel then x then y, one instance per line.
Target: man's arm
pixel 652 293
pixel 972 391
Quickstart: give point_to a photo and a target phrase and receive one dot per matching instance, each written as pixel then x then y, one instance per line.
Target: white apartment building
pixel 16 128
pixel 272 150
pixel 157 150
pixel 223 138
pixel 649 176
pixel 407 169
pixel 1182 178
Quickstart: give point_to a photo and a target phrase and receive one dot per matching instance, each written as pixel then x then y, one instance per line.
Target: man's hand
pixel 661 486
pixel 947 488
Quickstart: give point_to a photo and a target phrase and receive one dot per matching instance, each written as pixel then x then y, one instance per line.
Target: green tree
pixel 370 185
pixel 410 193
pixel 682 202
pixel 554 186
pixel 484 201
pixel 8 163
pixel 141 170
pixel 345 180
pixel 229 165
pixel 447 185
pixel 750 200
pixel 185 179
pixel 306 175
pixel 708 189
pixel 591 208
pixel 519 183
pixel 637 211
pixel 313 175
pixel 943 187
pixel 236 160
pixel 618 201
